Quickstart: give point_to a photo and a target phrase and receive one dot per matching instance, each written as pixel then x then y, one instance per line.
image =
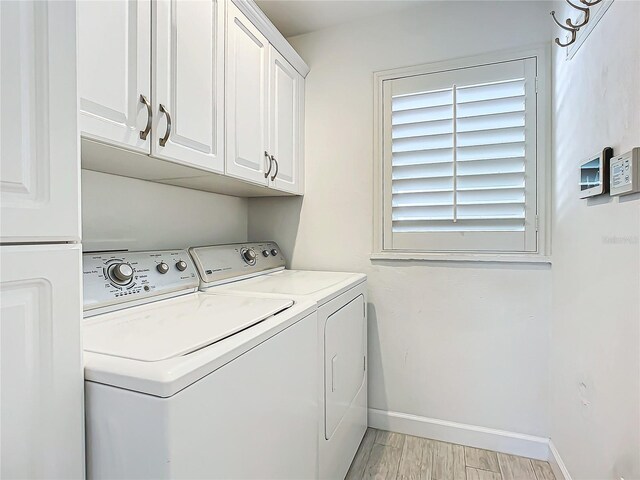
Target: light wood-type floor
pixel 390 456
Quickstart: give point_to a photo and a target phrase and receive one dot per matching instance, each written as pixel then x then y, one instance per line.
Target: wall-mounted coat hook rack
pixel 571 26
pixel 581 19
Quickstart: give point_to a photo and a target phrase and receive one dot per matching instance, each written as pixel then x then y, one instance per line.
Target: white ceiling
pixel 295 17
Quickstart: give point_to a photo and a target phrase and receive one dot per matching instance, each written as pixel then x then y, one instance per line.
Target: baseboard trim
pixel 463 434
pixel 557 465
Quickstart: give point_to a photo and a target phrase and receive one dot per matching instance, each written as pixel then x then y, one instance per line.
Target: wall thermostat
pixel 625 177
pixel 594 172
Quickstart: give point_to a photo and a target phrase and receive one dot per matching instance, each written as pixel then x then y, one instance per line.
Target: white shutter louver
pixel 460 159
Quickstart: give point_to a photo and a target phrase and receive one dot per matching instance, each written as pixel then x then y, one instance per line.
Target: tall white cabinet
pixel 41 391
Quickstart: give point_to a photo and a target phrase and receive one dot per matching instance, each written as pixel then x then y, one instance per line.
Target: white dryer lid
pixel 175 327
pixel 320 285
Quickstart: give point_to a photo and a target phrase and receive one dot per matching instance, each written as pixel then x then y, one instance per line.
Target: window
pixel 460 158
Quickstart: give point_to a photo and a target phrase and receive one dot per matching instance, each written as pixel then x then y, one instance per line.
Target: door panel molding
pixel 39 162
pixel 186 82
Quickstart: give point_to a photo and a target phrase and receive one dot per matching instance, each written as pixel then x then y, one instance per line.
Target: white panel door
pixel 285 122
pixel 188 76
pixel 114 72
pixel 39 163
pixel 247 78
pixel 41 392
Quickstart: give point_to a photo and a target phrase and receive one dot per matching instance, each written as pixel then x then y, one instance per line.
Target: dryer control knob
pixel 274 251
pixel 265 253
pixel 181 265
pixel 249 256
pixel 163 267
pixel 121 273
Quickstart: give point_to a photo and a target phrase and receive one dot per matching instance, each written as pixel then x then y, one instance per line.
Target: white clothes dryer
pixel 341 302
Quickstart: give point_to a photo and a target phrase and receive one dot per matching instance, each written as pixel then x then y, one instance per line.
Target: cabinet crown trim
pixel 268 29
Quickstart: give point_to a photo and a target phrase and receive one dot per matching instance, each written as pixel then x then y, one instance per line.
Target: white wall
pixel 595 361
pixel 463 342
pixel 125 213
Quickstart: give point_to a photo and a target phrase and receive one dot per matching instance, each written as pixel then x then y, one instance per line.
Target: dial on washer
pixel 249 256
pixel 163 267
pixel 181 265
pixel 121 273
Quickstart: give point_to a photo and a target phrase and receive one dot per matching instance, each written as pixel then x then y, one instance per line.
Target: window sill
pixel 463 257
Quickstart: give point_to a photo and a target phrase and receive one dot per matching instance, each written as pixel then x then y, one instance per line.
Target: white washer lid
pixel 175 327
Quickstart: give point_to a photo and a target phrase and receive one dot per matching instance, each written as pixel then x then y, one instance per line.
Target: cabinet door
pixel 114 70
pixel 246 99
pixel 188 75
pixel 41 392
pixel 39 163
pixel 285 99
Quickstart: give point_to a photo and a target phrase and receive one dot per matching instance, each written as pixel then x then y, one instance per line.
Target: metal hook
pixel 590 4
pixel 569 29
pixel 573 39
pixel 586 16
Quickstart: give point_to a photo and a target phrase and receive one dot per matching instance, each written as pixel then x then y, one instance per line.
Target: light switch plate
pixel 624 175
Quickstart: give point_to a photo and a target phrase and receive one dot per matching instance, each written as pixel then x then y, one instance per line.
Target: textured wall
pixel 595 362
pixel 465 342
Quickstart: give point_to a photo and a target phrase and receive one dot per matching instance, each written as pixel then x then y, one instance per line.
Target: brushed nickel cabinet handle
pixel 266 174
pixel 273 159
pixel 163 140
pixel 144 133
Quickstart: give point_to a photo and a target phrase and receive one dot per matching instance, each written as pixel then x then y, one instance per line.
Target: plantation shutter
pixel 460 159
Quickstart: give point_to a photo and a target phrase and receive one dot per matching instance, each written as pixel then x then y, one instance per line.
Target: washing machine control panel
pixel 113 280
pixel 219 264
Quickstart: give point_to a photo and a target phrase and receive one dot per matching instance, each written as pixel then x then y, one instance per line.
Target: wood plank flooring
pixel 393 456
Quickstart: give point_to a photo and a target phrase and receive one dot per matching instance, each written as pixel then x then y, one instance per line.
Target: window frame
pixel 543 154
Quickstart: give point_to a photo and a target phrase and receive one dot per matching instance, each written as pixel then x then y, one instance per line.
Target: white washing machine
pixel 182 384
pixel 341 300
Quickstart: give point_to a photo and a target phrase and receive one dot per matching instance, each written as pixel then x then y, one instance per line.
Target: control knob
pixel 163 267
pixel 274 251
pixel 249 256
pixel 265 253
pixel 121 273
pixel 181 265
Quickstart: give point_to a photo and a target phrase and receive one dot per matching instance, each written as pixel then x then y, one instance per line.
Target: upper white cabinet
pixel 188 82
pixel 169 104
pixel 264 121
pixel 195 93
pixel 286 100
pixel 247 93
pixel 39 163
pixel 114 73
